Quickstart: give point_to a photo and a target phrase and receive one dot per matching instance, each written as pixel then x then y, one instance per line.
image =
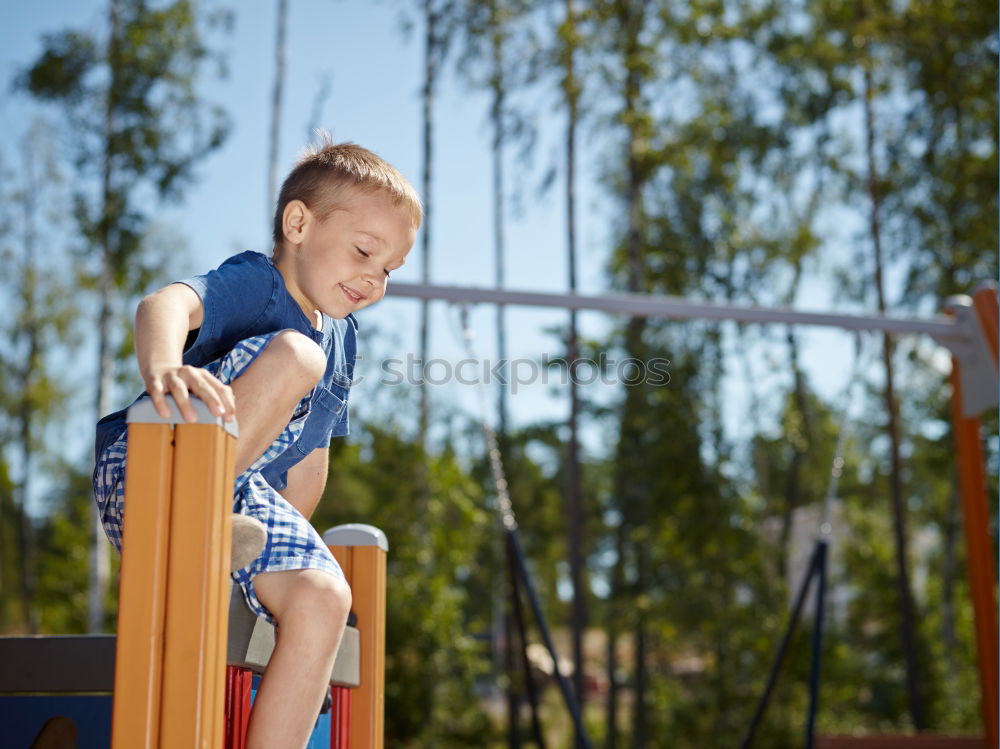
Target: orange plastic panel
pixel 343 556
pixel 368 565
pixel 365 570
pixel 197 616
pixel 139 648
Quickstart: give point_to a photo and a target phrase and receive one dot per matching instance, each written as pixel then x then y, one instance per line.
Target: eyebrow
pixel 373 237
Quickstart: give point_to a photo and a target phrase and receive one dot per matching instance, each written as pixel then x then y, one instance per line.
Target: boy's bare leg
pixel 266 395
pixel 311 607
pixel 270 388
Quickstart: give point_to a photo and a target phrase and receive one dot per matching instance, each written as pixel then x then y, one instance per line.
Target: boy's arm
pixel 162 322
pixel 306 481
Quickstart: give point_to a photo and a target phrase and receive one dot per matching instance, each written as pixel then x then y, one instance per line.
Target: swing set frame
pixel 968 328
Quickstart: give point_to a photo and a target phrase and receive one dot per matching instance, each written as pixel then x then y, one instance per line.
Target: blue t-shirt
pixel 245 297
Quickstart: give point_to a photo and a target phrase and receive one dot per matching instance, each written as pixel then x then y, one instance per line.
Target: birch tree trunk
pixel 277 94
pixel 574 498
pixel 430 80
pixel 100 562
pixel 26 409
pixel 630 488
pixel 635 494
pixel 907 614
pixel 497 111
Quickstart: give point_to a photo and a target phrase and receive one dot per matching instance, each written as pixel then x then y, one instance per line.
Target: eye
pixel 363 253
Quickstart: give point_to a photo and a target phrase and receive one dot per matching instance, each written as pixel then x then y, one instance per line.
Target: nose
pixel 374 281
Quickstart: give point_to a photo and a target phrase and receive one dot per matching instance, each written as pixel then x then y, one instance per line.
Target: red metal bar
pixel 238 685
pixel 227 736
pixel 340 719
pixel 245 689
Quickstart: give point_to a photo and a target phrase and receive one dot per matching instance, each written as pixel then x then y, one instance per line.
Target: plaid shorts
pixel 292 543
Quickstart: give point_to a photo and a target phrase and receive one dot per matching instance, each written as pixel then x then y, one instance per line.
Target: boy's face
pixel 341 264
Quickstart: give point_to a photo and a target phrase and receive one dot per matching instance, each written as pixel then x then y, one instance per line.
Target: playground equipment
pixel 979 315
pixel 969 332
pixel 179 624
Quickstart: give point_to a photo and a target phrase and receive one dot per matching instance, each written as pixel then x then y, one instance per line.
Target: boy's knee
pixel 320 597
pixel 300 355
pixel 339 598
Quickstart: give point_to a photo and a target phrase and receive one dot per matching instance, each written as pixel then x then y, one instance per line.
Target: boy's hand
pixel 184 381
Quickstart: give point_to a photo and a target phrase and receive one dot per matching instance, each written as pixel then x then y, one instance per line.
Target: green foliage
pixel 729 137
pixel 39 324
pixel 12 611
pixel 138 131
pixel 933 66
pixel 63 556
pixel 134 100
pixel 724 187
pixel 950 56
pixel 433 658
pixel 60 71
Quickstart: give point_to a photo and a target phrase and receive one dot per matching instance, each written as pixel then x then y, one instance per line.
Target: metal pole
pixel 779 657
pixel 817 642
pixel 529 681
pixel 676 308
pixel 536 607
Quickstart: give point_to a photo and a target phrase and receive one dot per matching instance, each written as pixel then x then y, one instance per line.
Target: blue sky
pixel 374 71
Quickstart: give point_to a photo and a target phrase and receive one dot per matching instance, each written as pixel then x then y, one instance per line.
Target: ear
pixel 294 219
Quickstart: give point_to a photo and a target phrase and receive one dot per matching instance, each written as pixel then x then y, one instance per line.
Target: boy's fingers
pixel 218 396
pixel 208 392
pixel 222 403
pixel 205 386
pixel 228 400
pixel 159 399
pixel 179 389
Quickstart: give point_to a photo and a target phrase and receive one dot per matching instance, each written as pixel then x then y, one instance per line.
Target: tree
pixel 907 612
pixel 40 324
pixel 915 135
pixel 633 54
pixel 433 659
pixel 703 214
pixel 13 614
pixel 947 207
pixel 276 96
pixel 571 89
pixel 138 129
pixel 436 15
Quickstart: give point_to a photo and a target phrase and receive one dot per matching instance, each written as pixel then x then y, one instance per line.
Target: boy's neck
pixel 314 316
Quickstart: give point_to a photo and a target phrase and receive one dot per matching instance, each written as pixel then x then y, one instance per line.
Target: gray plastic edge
pixel 356 534
pixel 251 643
pixel 143 412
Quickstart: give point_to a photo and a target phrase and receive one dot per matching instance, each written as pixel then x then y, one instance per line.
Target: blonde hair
pixel 323 171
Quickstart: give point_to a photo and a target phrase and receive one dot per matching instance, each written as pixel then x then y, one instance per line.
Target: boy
pixel 272 341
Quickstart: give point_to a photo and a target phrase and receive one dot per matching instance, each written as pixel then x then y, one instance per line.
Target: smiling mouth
pixel 351 294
